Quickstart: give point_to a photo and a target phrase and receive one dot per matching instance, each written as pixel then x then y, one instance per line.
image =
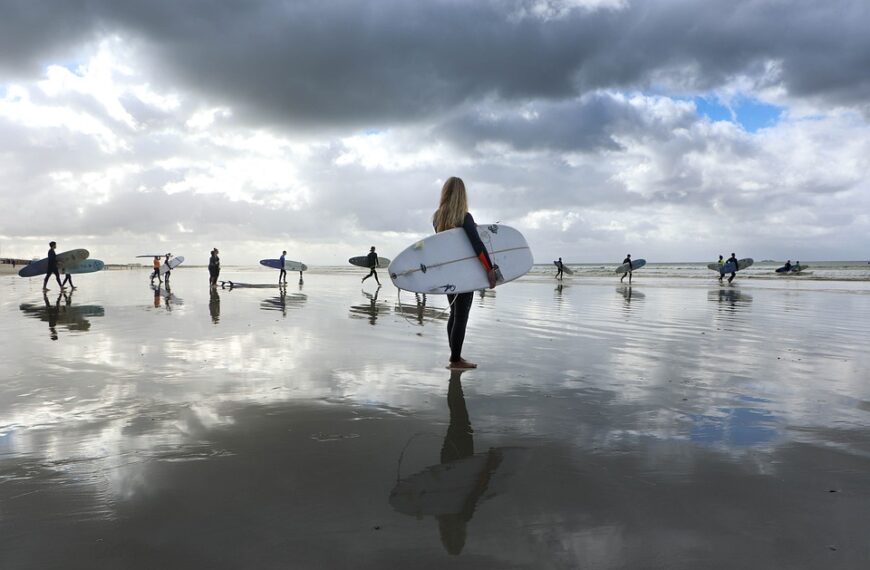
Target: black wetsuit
pixel 559 269
pixel 460 304
pixel 372 259
pixel 214 268
pixel 52 269
pixel 630 267
pixel 733 273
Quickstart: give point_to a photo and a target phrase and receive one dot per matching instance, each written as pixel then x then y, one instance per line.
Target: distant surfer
pixel 214 268
pixel 788 266
pixel 796 267
pixel 372 260
pixel 721 263
pixel 559 268
pixel 52 267
pixel 628 261
pixel 168 270
pixel 732 259
pixel 156 272
pixel 283 274
pixel 452 213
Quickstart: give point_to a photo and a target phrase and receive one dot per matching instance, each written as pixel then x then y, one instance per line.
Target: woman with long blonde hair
pixel 452 213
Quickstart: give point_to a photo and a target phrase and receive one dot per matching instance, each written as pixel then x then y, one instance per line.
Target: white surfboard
pixel 446 263
pixel 171 264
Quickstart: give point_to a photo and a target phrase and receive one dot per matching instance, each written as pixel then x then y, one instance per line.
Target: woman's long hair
pixel 453 206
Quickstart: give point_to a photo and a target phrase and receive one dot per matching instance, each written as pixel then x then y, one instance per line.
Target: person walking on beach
pixel 52 267
pixel 214 268
pixel 372 259
pixel 721 263
pixel 283 274
pixel 452 213
pixel 733 259
pixel 559 268
pixel 156 272
pixel 628 261
pixel 168 269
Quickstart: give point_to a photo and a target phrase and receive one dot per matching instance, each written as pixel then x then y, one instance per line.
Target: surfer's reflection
pixel 62 312
pixel 729 297
pixel 420 310
pixel 283 301
pixel 165 295
pixel 630 295
pixel 214 305
pixel 370 310
pixel 451 490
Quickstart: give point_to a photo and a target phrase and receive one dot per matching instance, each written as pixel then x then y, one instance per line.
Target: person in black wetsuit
pixel 283 275
pixel 559 268
pixel 732 259
pixel 452 213
pixel 52 267
pixel 372 259
pixel 214 268
pixel 168 269
pixel 628 261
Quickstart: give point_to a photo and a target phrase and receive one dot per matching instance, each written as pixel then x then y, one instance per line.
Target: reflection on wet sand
pixel 214 305
pixel 630 295
pixel 729 296
pixel 283 301
pixel 371 310
pixel 450 490
pixel 62 312
pixel 165 296
pixel 420 310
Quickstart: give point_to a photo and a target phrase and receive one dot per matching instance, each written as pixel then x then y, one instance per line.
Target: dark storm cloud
pixel 589 124
pixel 351 62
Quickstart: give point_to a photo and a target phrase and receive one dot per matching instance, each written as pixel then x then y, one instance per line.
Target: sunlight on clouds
pixel 18 108
pixel 205 118
pixel 96 79
pixel 549 219
pixel 93 187
pixel 385 151
pixel 556 9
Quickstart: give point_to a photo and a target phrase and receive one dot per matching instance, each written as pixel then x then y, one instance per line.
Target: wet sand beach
pixel 674 424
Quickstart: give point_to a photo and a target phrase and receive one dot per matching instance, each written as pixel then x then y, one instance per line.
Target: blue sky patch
pixel 751 114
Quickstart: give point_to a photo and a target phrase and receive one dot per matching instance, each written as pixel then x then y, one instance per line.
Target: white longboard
pixel 446 263
pixel 171 264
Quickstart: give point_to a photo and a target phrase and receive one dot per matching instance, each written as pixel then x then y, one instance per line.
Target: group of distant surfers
pixel 560 267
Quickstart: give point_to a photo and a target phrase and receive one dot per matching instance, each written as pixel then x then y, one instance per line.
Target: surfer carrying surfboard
pixel 559 268
pixel 732 259
pixel 628 261
pixel 156 272
pixel 168 269
pixel 452 213
pixel 283 274
pixel 52 267
pixel 372 258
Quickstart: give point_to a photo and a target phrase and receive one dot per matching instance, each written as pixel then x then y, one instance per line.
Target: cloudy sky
pixel 672 129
